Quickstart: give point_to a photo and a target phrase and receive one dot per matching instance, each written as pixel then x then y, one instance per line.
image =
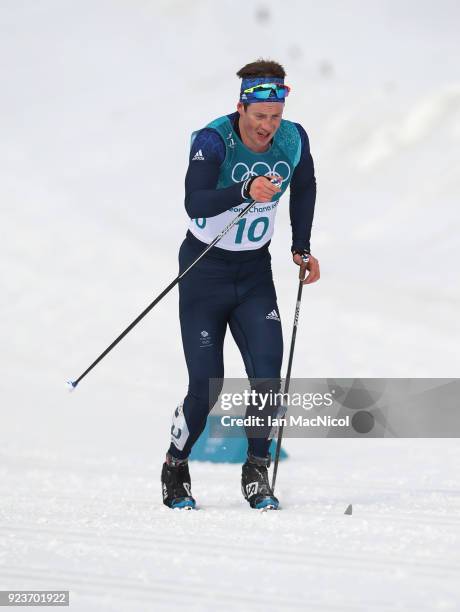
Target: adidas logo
pixel 198 155
pixel 273 315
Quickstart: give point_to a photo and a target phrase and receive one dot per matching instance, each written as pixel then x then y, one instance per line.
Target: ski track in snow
pixel 103 534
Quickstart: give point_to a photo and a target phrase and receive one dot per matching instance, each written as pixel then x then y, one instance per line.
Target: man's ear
pixel 240 108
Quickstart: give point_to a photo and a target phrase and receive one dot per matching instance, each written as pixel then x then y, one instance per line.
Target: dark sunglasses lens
pixel 282 92
pixel 262 94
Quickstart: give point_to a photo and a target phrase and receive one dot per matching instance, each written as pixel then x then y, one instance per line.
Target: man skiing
pixel 252 154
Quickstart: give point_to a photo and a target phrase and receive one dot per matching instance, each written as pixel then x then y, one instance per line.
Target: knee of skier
pixel 206 391
pixel 267 393
pixel 267 364
pixel 267 385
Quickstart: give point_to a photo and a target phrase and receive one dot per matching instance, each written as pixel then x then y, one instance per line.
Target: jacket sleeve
pixel 303 196
pixel 202 198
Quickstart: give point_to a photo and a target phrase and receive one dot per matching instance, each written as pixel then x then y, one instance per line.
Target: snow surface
pixel 93 155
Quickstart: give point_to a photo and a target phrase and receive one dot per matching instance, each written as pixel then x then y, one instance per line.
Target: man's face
pixel 259 122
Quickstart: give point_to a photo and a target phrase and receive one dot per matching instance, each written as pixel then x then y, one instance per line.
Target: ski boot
pixel 176 485
pixel 255 484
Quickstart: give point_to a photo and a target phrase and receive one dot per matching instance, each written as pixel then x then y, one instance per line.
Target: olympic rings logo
pixel 241 171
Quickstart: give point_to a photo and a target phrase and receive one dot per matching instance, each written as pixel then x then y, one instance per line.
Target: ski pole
pixel 73 383
pixel 288 374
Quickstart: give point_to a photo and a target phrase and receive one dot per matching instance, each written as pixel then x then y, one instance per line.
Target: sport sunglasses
pixel 263 91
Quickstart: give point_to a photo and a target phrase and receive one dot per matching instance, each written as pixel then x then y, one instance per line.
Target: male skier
pixel 233 160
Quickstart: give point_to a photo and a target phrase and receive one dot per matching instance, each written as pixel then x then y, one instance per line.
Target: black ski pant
pixel 235 290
